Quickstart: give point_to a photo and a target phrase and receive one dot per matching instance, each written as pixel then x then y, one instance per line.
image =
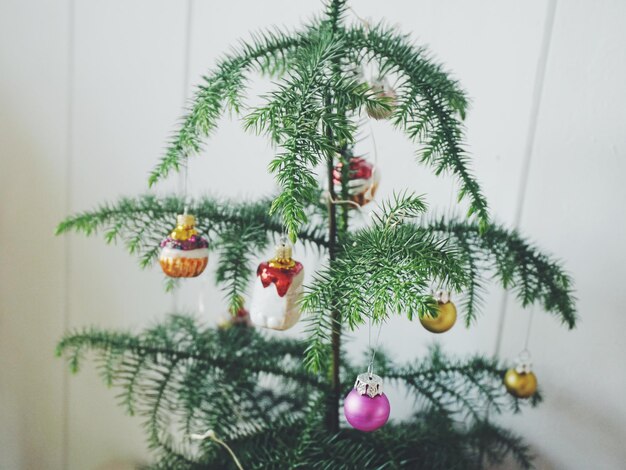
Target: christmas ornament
pixel 184 253
pixel 446 317
pixel 520 381
pixel 363 180
pixel 366 407
pixel 277 291
pixel 240 318
pixel 382 91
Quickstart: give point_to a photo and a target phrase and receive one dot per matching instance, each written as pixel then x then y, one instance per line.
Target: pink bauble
pixel 365 413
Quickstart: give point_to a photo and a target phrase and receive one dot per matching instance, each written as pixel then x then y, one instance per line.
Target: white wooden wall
pixel 90 90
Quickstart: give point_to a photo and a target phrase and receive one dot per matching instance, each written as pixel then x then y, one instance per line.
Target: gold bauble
pixel 445 319
pixel 520 385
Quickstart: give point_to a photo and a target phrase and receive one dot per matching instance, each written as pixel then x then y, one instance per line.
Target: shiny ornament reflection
pixel 520 384
pixel 445 319
pixel 366 407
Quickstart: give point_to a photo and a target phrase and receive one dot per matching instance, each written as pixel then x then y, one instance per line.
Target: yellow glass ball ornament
pixel 520 385
pixel 520 381
pixel 446 317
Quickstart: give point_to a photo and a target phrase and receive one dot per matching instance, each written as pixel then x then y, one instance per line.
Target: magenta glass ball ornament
pixel 366 413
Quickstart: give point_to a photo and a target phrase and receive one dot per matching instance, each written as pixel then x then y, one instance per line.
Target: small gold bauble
pixel 445 319
pixel 520 385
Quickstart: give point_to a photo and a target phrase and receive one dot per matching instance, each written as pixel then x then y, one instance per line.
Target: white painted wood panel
pixel 128 91
pixel 33 100
pixel 574 208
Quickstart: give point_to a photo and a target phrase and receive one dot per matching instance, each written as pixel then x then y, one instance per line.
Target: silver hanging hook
pixel 441 295
pixel 370 367
pixel 284 239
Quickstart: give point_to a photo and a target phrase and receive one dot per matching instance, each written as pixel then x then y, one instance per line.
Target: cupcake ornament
pixel 184 253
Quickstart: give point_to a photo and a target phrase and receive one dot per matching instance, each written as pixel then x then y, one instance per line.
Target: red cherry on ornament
pixel 366 408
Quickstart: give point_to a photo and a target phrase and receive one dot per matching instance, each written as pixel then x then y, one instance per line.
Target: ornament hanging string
pixel 345 201
pixel 349 202
pixel 528 328
pixel 370 367
pixel 210 434
pixel 362 20
pixel 185 182
pixel 375 148
pixel 441 292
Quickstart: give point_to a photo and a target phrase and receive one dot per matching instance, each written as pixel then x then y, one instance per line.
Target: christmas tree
pixel 271 401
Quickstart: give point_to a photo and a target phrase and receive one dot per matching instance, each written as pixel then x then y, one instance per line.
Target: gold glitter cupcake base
pixel 183 267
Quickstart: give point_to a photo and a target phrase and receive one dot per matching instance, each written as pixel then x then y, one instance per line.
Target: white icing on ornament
pixel 167 252
pixel 270 310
